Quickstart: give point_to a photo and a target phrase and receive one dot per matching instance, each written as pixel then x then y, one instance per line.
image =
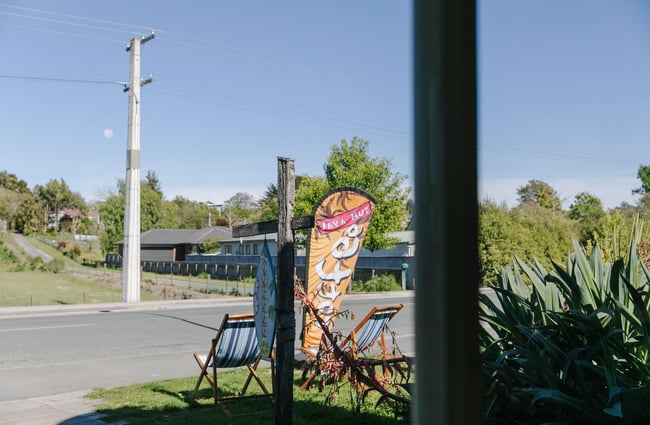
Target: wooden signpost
pixel 286 318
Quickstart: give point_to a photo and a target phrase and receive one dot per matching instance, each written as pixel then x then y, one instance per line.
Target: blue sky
pixel 564 92
pixel 564 97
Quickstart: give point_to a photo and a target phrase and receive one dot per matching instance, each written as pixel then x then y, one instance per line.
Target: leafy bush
pixel 570 345
pixel 36 263
pixel 6 256
pixel 531 232
pixel 385 282
pixel 210 245
pixel 55 266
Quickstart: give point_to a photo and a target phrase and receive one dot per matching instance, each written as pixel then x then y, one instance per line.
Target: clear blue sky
pixel 564 97
pixel 564 92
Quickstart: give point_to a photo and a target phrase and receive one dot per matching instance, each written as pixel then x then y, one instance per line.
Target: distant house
pixel 249 245
pixel 175 244
pixel 252 245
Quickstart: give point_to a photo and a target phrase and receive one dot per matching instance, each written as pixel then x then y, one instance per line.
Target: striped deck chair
pixel 235 345
pixel 371 329
pixel 368 331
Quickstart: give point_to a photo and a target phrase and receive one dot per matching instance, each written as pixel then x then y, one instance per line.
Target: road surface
pixel 113 345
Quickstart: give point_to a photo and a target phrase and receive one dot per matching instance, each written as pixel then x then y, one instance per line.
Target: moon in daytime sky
pixel 108 133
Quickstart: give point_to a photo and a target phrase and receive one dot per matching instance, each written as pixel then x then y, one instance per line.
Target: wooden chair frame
pixel 369 330
pixel 235 345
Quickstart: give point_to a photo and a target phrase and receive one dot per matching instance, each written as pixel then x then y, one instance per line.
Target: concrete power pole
pixel 131 260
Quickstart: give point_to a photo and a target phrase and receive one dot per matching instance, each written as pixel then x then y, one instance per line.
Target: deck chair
pixel 368 331
pixel 235 345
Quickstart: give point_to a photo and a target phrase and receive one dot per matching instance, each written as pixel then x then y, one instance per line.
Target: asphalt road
pixel 48 354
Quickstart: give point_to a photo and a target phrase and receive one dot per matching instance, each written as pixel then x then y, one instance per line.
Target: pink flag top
pixel 346 219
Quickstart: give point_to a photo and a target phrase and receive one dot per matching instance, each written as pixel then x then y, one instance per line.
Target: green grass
pixel 41 288
pixel 171 402
pixel 52 250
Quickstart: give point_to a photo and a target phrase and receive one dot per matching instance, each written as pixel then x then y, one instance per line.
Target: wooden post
pixel 286 321
pixel 286 324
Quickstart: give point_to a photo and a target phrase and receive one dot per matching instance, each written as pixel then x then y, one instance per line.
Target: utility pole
pixel 131 260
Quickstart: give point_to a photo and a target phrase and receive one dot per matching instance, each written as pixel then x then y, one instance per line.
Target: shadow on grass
pixel 162 403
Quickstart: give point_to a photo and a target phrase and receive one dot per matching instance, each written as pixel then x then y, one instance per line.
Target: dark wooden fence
pixel 240 267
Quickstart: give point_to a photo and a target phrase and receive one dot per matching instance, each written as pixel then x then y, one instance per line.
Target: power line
pixel 61 80
pixel 24 27
pixel 82 18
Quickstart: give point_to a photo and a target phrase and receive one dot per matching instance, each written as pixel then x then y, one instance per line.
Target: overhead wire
pixel 83 18
pixel 62 80
pixel 252 104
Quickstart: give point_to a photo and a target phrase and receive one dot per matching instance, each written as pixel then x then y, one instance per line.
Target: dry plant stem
pixel 350 361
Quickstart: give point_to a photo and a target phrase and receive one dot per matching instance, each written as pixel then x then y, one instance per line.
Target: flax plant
pixel 569 345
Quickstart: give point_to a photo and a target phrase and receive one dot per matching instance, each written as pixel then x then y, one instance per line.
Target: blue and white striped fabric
pixel 373 328
pixel 238 344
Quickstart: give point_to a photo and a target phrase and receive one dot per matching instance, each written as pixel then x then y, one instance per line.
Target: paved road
pixel 111 345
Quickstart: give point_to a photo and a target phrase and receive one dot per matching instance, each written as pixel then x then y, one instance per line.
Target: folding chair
pixel 235 345
pixel 368 331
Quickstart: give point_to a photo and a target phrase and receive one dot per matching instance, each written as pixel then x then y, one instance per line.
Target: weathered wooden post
pixel 285 335
pixel 286 328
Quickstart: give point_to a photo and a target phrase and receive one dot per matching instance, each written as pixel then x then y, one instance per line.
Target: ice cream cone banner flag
pixel 341 222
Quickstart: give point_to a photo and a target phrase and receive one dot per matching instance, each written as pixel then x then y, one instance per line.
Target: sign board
pixel 265 302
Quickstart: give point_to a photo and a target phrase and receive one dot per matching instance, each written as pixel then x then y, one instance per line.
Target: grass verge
pixel 41 288
pixel 171 402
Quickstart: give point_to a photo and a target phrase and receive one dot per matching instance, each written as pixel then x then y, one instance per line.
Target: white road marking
pixel 81 325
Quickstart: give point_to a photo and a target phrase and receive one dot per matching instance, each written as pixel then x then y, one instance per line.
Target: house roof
pixel 71 212
pixel 182 236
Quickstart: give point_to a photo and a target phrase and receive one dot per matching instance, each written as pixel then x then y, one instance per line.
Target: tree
pixel 151 208
pixel 240 208
pixel 530 233
pixel 350 164
pixel 643 174
pixel 268 203
pixel 191 214
pixel 11 182
pixel 57 195
pixel 29 217
pixel 151 181
pixel 588 210
pixel 537 192
pixel 111 213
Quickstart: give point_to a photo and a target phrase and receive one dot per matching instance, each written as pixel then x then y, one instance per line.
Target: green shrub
pixel 570 345
pixel 381 283
pixel 36 263
pixel 55 266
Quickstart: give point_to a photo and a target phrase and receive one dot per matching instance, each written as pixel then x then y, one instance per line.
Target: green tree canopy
pixel 11 182
pixel 56 195
pixel 350 164
pixel 30 216
pixel 530 233
pixel 191 214
pixel 540 193
pixel 643 174
pixel 587 209
pixel 111 213
pixel 268 203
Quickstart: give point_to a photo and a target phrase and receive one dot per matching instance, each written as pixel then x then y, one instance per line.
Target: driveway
pixel 30 249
